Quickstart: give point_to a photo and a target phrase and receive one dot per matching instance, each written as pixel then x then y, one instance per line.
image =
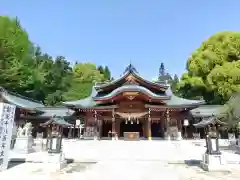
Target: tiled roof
pixel 131 70
pixel 176 101
pixel 20 101
pixel 55 111
pixel 206 110
pixel 84 103
pixel 58 121
pixel 209 121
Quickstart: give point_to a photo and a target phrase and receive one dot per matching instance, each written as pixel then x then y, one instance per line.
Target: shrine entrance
pixel 131 126
pixel 106 129
pixel 157 130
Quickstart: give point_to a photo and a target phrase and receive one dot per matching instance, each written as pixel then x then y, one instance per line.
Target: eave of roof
pixel 209 121
pixel 175 102
pixel 57 121
pixel 20 101
pixel 206 110
pixel 55 111
pixel 82 103
pixel 131 88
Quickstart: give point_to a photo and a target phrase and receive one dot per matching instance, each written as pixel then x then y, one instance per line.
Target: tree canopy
pixel 213 70
pixel 28 71
pixel 230 113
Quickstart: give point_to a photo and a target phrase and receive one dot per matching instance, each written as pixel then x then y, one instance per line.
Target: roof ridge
pixel 99 86
pixel 3 90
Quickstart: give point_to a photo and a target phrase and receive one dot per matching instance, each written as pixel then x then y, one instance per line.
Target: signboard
pixel 7 114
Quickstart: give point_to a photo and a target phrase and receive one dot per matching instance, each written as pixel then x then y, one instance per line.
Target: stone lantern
pixel 213 159
pixel 54 133
pixel 55 159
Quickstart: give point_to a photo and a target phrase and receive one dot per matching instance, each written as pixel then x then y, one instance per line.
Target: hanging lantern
pixel 137 122
pixel 185 122
pixel 126 122
pixel 131 122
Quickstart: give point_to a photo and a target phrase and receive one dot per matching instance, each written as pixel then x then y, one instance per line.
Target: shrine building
pixel 133 106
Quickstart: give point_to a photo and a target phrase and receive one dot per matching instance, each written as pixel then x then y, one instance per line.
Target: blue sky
pixel 113 32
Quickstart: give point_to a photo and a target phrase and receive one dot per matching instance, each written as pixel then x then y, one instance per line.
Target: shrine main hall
pixel 133 107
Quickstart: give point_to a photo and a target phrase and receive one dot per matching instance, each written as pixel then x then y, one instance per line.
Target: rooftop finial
pixel 130 68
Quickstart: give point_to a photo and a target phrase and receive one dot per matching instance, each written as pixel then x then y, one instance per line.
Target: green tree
pixel 78 90
pixel 163 76
pixel 212 69
pixel 35 83
pixel 83 78
pixel 46 79
pixel 107 73
pixel 162 70
pixel 14 51
pixel 87 72
pixel 101 69
pixel 174 83
pixel 230 113
pixel 58 80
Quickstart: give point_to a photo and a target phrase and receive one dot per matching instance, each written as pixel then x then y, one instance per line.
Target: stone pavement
pixel 92 151
pixel 175 151
pixel 118 170
pixel 135 160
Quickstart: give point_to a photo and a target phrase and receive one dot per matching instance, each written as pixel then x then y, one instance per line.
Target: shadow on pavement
pixel 13 164
pixel 70 161
pixel 192 162
pixel 79 167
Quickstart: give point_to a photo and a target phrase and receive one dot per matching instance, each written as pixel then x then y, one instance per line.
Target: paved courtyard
pixel 135 160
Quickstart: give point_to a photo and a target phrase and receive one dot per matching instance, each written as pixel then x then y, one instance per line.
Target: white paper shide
pixel 7 114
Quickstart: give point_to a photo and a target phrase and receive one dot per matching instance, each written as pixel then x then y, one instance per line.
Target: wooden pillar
pixel 113 124
pixel 179 127
pixel 217 139
pixel 149 125
pixel 145 128
pixel 161 123
pixel 118 127
pixel 70 132
pixel 167 124
pixel 74 127
pixel 96 129
pixel 100 128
